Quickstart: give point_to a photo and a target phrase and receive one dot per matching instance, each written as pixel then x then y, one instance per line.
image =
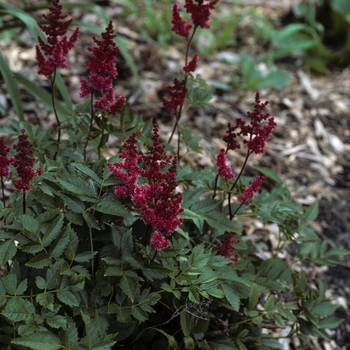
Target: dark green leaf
pixel 8 250
pixel 157 272
pixel 337 252
pixel 17 310
pixel 222 343
pixel 324 309
pixel 171 340
pixel 187 322
pixel 219 221
pixel 39 261
pixel 215 292
pixel 84 257
pixel 46 300
pixel 330 322
pixel 197 219
pixel 71 336
pixel 91 220
pixel 286 314
pixel 205 206
pixel 32 247
pixel 56 321
pixel 88 171
pixel 190 197
pixel 279 320
pixel 311 213
pixel 29 223
pixel 67 297
pixel 253 296
pixel 270 303
pixel 72 247
pixel 53 231
pixel 127 246
pixel 53 273
pixel 276 270
pixel 91 337
pixel 113 208
pixel 271 343
pixel 191 141
pixel 22 287
pixel 231 296
pixel 76 185
pixel 113 271
pixel 10 283
pixel 129 286
pixel 39 341
pixel 59 245
pixel 123 313
pixel 139 314
pixel 75 205
pixel 40 282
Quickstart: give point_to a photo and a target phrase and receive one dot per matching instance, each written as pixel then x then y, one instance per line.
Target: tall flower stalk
pixel 255 136
pixel 200 14
pixel 23 164
pixel 53 54
pixel 103 70
pixel 5 163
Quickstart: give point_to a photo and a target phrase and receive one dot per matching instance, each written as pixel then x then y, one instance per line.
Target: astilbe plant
pixel 142 250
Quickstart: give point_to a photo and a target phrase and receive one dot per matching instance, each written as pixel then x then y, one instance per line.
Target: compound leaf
pixel 39 341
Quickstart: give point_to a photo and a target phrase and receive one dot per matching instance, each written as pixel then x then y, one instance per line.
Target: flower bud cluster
pixel 226 248
pixel 102 63
pixel 256 133
pixel 56 50
pixel 23 162
pixel 102 67
pixel 224 169
pixel 200 15
pixel 5 161
pixel 251 190
pixel 151 187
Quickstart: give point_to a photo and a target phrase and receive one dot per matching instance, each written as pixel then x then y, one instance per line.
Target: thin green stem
pixel 103 123
pixel 3 191
pixel 24 201
pixel 178 116
pixel 91 122
pixel 235 183
pixel 154 256
pixel 232 215
pixel 55 113
pixel 147 235
pixel 179 112
pixel 93 259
